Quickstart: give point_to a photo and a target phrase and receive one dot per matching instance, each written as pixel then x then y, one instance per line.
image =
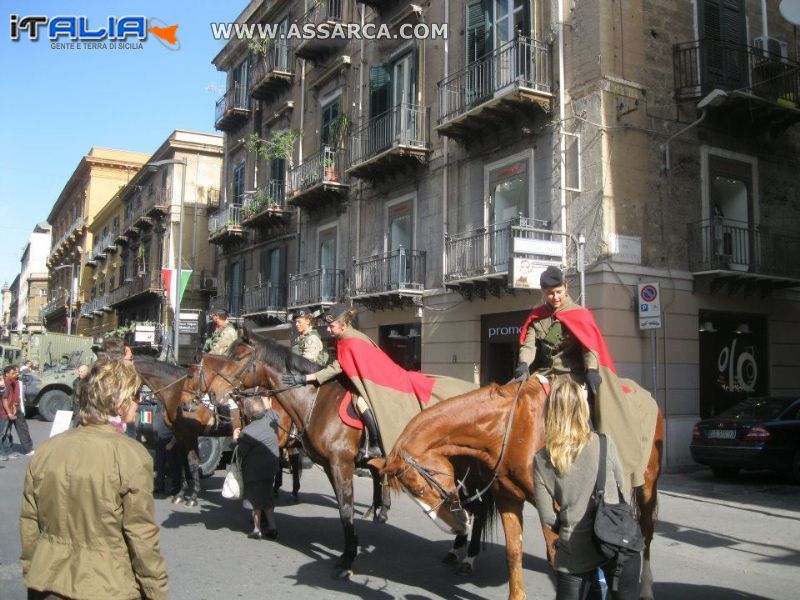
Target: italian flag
pixel 170 275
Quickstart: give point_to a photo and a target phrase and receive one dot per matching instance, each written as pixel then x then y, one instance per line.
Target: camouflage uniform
pixel 310 346
pixel 221 340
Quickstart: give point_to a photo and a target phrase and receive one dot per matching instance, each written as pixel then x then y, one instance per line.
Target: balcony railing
pixel 74 226
pixel 486 251
pixel 99 247
pixel 702 66
pixel 271 72
pixel 404 127
pixel 226 221
pixel 320 172
pixel 398 271
pixel 269 200
pixel 149 281
pixel 56 303
pixel 232 107
pixel 322 11
pixel 519 63
pixel 726 245
pixel 265 298
pixel 87 309
pixel 323 286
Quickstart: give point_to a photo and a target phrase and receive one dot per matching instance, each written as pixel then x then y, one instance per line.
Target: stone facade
pixel 705 207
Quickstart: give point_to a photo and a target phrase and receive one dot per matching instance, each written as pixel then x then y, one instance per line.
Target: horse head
pixel 433 487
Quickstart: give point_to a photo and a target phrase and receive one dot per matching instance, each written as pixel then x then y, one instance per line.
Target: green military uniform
pixel 221 340
pixel 559 352
pixel 310 346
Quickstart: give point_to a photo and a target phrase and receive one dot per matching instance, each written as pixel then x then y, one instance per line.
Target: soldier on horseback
pixel 224 334
pixel 561 337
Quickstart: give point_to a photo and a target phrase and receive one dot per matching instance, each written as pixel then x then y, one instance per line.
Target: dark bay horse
pixel 186 417
pixel 260 363
pixel 424 463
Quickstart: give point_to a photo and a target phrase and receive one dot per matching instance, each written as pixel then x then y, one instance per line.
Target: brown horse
pixel 259 363
pixel 501 428
pixel 189 419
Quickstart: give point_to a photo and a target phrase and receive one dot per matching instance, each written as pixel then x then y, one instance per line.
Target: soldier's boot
pixel 371 448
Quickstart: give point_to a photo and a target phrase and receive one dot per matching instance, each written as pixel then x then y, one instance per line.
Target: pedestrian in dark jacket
pixel 13 409
pixel 258 451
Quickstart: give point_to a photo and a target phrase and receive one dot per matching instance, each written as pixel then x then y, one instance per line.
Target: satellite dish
pixel 790 9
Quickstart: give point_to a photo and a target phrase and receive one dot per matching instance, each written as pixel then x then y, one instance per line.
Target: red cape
pixel 581 323
pixel 360 359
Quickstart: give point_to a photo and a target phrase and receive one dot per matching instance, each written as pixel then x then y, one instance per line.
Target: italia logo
pixel 113 32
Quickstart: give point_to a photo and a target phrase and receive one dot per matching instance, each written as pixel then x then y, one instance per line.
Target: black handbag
pixel 617 534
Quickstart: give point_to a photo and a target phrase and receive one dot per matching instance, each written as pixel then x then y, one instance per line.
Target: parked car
pixel 212 450
pixel 757 433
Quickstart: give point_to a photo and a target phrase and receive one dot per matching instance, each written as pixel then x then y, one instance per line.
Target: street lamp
pixel 71 267
pixel 155 166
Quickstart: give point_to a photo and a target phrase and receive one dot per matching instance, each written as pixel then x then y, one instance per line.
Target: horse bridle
pixel 237 380
pixel 453 496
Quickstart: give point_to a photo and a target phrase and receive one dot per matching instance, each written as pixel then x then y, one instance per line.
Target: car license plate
pixel 721 434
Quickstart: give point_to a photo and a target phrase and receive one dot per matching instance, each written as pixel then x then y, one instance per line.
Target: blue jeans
pixel 586 586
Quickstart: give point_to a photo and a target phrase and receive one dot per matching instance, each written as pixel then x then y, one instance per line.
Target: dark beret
pixel 552 277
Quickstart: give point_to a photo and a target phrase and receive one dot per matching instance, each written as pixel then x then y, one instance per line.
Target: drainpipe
pixel 362 66
pixel 562 102
pixel 445 153
pixel 300 153
pixel 764 26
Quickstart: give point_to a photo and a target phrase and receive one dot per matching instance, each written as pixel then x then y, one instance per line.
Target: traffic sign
pixel 649 301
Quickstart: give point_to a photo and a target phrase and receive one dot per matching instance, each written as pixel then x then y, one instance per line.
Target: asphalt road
pixel 713 541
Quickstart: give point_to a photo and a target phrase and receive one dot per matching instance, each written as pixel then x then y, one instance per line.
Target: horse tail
pixel 485 511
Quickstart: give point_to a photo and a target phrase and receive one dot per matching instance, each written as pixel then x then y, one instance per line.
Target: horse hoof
pixel 191 503
pixel 370 511
pixel 177 499
pixel 451 558
pixel 464 569
pixel 343 574
pixel 381 516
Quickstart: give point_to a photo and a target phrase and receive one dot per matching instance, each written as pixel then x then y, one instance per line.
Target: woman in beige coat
pixel 87 525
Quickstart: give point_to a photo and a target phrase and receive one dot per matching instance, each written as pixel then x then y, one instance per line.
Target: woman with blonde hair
pixel 565 473
pixel 86 526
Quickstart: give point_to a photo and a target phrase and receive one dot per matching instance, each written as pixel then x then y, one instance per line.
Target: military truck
pixel 55 356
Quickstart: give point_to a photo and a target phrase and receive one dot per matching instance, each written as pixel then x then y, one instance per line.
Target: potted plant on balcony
pixel 261 47
pixel 280 145
pixel 330 170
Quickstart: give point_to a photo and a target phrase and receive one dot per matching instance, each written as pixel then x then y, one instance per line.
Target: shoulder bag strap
pixel 600 484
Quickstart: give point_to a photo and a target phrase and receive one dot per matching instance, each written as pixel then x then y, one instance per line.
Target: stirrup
pixel 365 454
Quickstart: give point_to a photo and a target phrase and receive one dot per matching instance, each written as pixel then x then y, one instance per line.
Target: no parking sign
pixel 649 300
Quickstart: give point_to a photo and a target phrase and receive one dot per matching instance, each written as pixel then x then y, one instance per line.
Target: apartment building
pixel 135 236
pixel 33 278
pixel 431 181
pixel 98 176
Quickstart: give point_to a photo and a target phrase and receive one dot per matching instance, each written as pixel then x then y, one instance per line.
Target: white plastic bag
pixel 233 485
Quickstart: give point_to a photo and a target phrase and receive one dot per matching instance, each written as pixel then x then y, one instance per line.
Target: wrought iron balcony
pixel 57 303
pixel 99 248
pixel 272 73
pixel 100 305
pixel 266 299
pixel 389 140
pixel 318 179
pixel 225 225
pixel 87 309
pixel 738 253
pixel 763 89
pixel 266 206
pixel 515 77
pixel 111 241
pixel 316 288
pixel 486 253
pixel 233 108
pixel 75 229
pixel 324 12
pixel 159 202
pixel 147 282
pixel 395 274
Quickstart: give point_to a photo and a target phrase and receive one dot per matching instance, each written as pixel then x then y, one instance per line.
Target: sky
pixel 58 103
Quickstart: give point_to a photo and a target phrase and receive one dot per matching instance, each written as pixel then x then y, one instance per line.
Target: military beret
pixel 552 277
pixel 333 313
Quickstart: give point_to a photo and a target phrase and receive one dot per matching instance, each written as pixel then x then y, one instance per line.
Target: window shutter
pixel 379 80
pixel 477 20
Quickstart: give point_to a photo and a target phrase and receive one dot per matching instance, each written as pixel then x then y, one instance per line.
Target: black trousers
pixel 167 460
pixel 586 586
pixel 21 425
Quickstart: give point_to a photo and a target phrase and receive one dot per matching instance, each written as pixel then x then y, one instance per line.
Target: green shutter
pixel 379 79
pixel 477 20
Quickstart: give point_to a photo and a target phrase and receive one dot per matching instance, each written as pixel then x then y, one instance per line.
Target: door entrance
pixel 500 345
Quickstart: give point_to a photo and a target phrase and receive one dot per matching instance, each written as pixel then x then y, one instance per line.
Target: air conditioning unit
pixel 773 46
pixel 209 283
